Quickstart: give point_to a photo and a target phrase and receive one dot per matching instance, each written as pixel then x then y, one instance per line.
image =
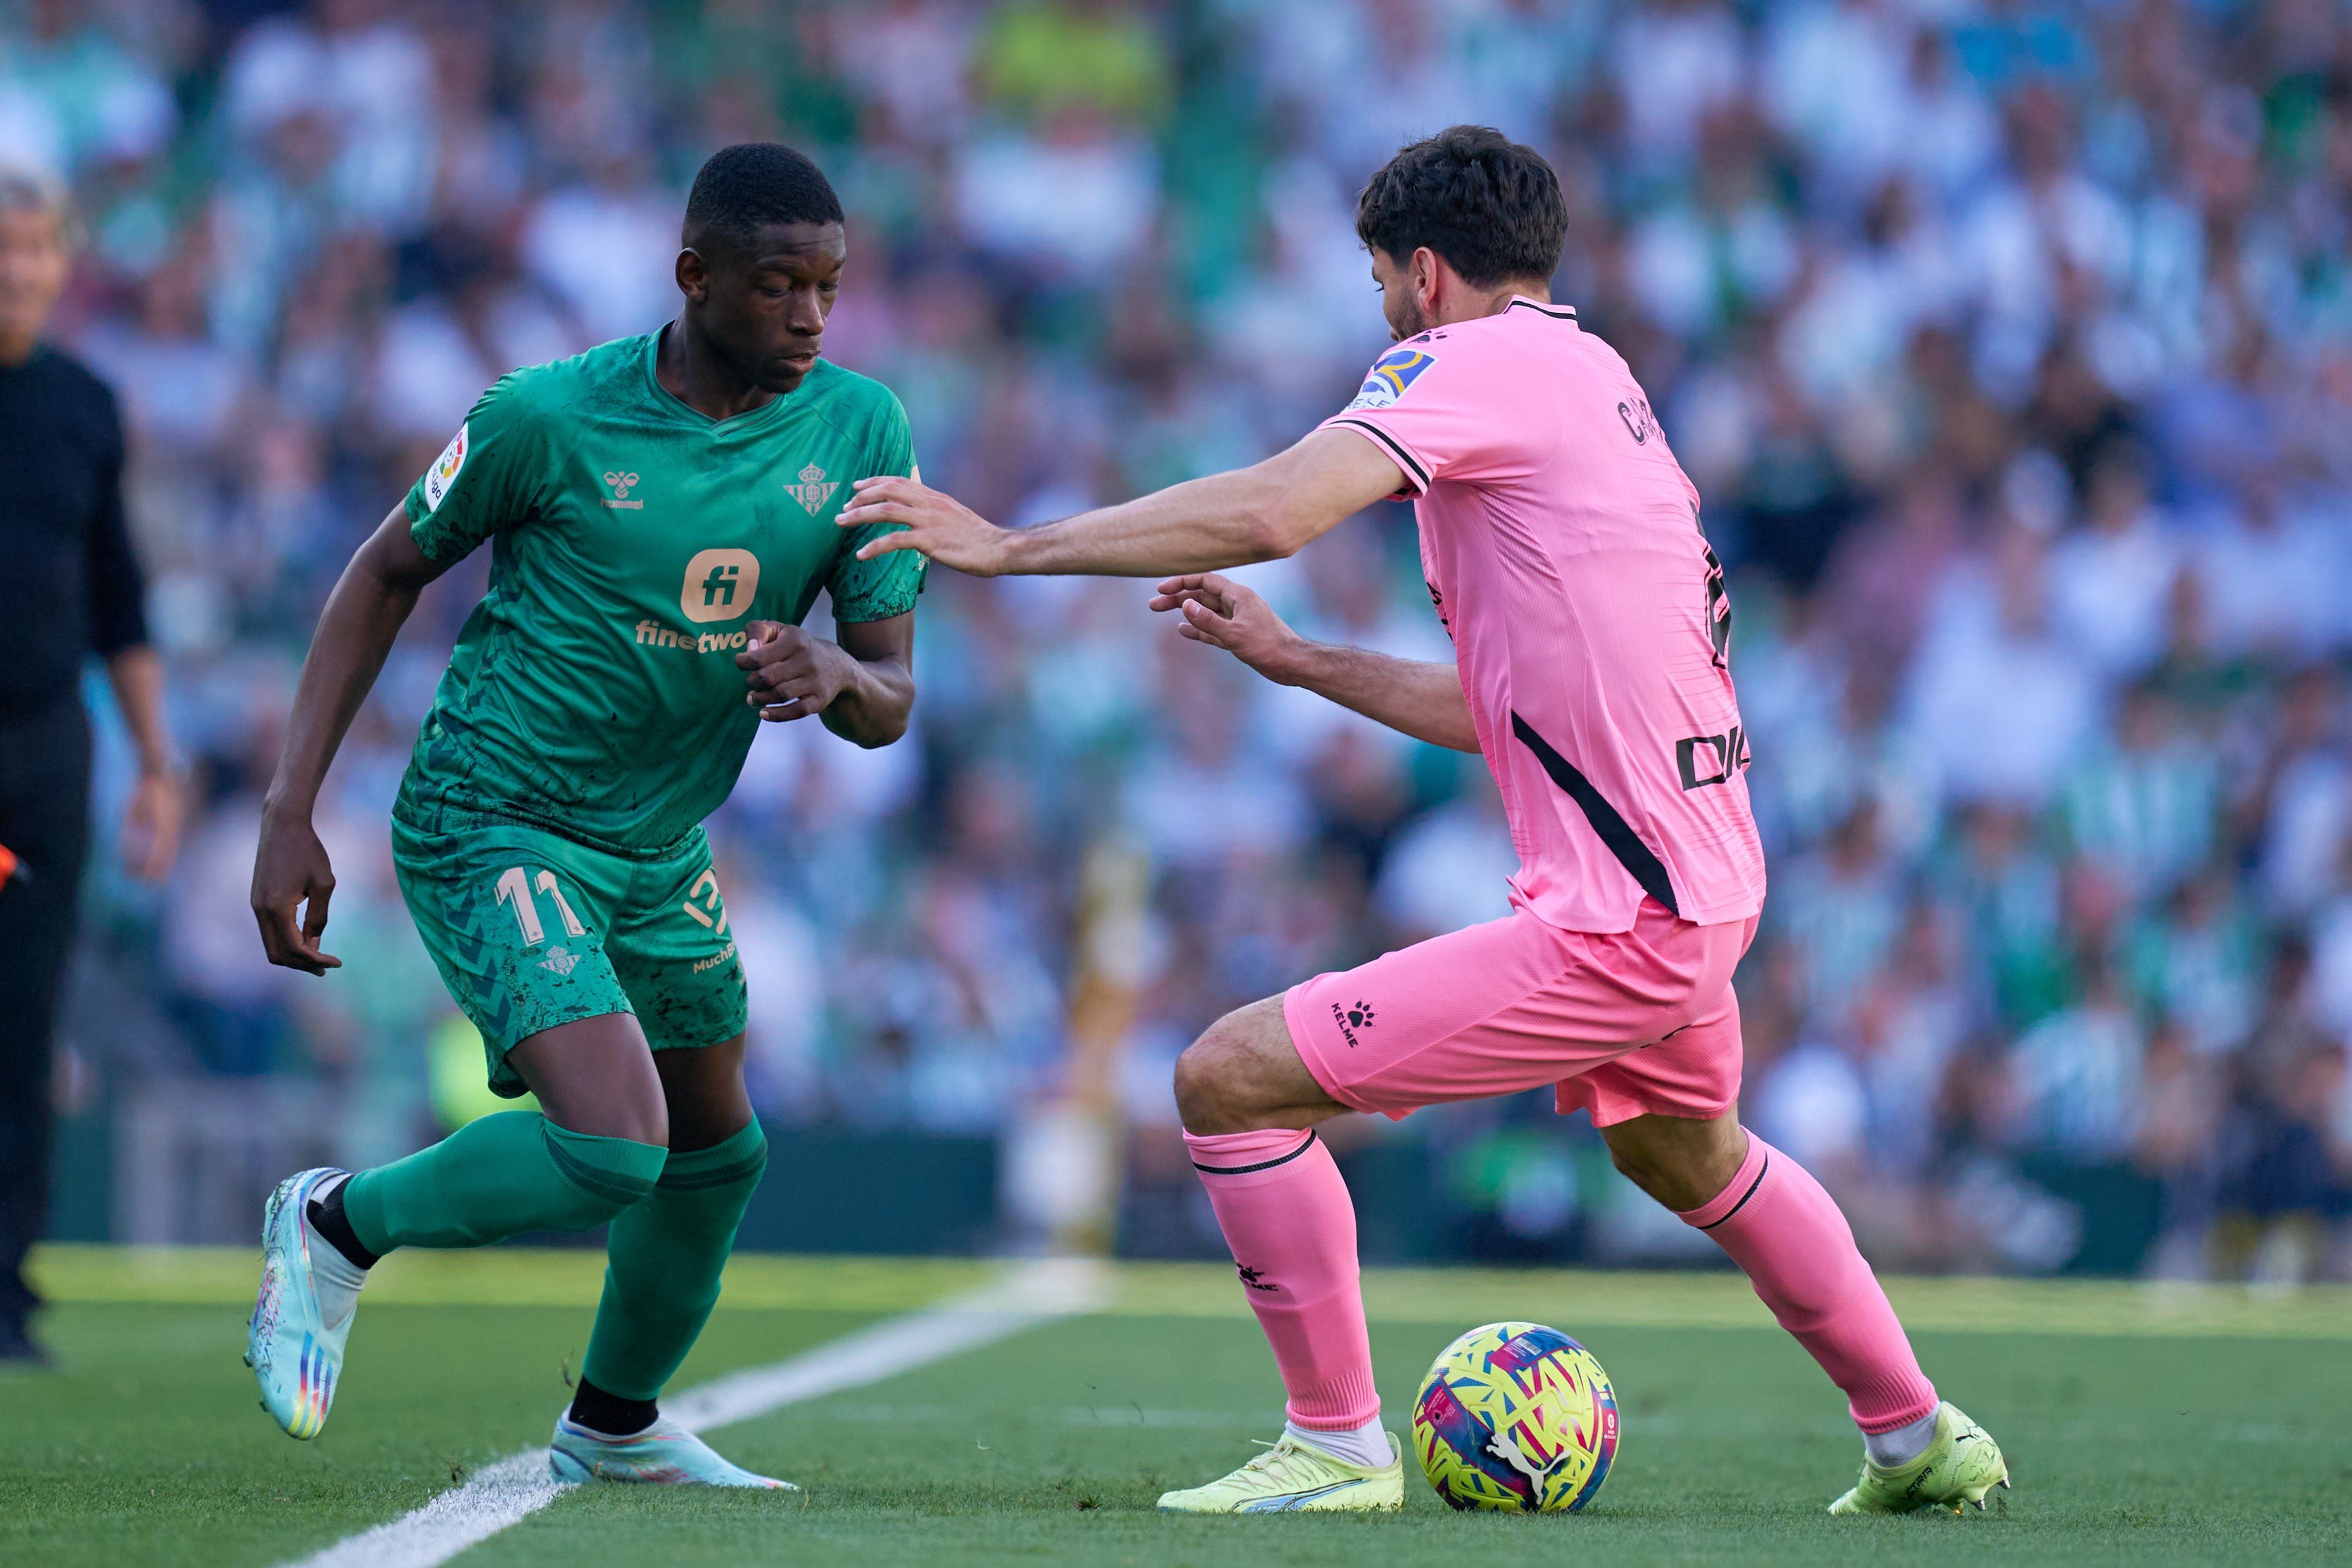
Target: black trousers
pixel 45 818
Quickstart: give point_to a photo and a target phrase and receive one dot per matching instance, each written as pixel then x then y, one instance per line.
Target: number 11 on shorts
pixel 514 888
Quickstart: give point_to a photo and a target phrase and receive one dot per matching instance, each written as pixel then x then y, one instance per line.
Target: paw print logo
pixel 1360 1016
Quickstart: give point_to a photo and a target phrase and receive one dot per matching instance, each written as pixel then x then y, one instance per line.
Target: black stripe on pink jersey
pixel 1396 448
pixel 1639 861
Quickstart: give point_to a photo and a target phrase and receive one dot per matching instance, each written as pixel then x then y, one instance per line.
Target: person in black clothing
pixel 69 587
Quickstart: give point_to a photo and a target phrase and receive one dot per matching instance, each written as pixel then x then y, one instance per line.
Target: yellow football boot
pixel 1961 1464
pixel 1292 1477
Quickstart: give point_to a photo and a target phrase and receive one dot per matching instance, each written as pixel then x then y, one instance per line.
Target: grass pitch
pixel 2164 1427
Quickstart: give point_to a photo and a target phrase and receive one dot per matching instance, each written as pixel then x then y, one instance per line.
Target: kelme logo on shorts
pixel 720 584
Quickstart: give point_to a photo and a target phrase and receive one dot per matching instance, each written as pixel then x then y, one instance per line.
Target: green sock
pixel 663 1256
pixel 501 1176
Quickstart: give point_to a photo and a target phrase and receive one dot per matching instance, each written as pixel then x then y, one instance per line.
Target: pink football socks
pixel 1778 1224
pixel 1287 1215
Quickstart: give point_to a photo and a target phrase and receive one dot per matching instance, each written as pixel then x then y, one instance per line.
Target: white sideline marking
pixel 514 1488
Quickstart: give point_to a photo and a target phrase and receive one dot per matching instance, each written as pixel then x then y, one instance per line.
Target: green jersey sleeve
pixel 878 589
pixel 485 479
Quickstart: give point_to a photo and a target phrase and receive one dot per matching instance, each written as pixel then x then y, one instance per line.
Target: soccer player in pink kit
pixel 1562 547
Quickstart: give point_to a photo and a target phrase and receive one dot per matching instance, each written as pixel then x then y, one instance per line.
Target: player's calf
pixel 1249 1105
pixel 1778 1224
pixel 666 1254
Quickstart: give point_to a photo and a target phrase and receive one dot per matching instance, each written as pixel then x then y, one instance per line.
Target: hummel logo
pixel 560 961
pixel 620 497
pixel 1351 1019
pixel 813 491
pixel 1250 1276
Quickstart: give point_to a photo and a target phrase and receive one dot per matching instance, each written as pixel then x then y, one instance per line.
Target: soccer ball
pixel 1515 1415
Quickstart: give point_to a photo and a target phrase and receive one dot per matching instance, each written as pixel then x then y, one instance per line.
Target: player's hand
pixel 937 525
pixel 151 825
pixel 1222 612
pixel 292 871
pixel 791 674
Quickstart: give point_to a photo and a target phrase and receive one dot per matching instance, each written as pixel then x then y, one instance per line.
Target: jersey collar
pixel 1542 308
pixel 678 408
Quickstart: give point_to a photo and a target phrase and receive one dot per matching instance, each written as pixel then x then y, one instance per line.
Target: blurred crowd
pixel 2009 342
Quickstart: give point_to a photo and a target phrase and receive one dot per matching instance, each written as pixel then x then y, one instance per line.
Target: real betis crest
pixel 813 491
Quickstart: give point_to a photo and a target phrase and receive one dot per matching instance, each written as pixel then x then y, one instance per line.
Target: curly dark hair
pixel 745 188
pixel 1490 206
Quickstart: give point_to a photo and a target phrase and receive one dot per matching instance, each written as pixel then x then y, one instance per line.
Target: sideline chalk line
pixel 513 1489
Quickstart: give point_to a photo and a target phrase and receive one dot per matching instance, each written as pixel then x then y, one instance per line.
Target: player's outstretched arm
pixel 370 601
pixel 862 686
pixel 1422 699
pixel 1258 513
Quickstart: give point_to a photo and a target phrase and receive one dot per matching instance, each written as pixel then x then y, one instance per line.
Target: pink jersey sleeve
pixel 1440 411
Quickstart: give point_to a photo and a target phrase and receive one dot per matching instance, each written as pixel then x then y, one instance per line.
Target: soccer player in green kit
pixel 661 515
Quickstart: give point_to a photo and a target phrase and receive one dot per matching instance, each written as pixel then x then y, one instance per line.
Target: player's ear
pixel 1424 279
pixel 693 275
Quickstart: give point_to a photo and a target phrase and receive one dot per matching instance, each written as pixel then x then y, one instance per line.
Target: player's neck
pixel 690 372
pixel 1468 304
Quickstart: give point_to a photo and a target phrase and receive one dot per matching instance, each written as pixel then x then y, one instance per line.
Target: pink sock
pixel 1287 1215
pixel 1778 1224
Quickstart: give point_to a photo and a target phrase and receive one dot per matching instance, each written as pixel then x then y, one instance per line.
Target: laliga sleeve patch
pixel 444 471
pixel 1389 376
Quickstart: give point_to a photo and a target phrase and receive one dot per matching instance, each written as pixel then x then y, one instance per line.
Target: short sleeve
pixel 485 479
pixel 878 589
pixel 1437 414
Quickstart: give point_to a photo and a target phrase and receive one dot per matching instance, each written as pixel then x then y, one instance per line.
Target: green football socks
pixel 672 1215
pixel 499 1176
pixel 664 1257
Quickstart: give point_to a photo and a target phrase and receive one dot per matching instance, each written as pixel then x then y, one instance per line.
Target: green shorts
pixel 530 930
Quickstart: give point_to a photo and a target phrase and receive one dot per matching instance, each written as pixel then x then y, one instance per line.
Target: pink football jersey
pixel 1562 545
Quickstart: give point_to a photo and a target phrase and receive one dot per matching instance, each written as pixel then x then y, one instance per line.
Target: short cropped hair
pixel 1488 204
pixel 24 189
pixel 747 187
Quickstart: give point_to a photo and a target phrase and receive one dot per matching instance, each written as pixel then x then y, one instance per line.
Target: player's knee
pixel 630 1117
pixel 1208 1080
pixel 603 1174
pixel 1680 1163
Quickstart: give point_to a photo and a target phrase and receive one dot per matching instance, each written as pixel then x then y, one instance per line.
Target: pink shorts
pixel 1638 1023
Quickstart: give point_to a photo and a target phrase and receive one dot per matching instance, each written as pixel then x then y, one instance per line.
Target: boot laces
pixel 1284 1459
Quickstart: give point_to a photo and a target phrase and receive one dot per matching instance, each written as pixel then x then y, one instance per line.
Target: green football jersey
pixel 594 688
